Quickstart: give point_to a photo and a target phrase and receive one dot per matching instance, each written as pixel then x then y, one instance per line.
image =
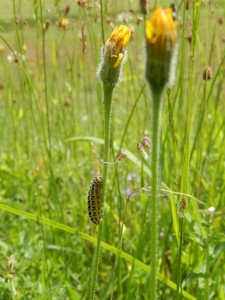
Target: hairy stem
pixel 157 112
pixel 107 104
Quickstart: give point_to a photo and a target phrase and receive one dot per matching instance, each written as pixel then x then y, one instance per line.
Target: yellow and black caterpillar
pixel 95 200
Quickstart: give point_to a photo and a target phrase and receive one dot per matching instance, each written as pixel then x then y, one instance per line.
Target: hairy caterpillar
pixel 95 200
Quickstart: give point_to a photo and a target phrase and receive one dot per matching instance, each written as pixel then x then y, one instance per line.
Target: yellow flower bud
pixel 160 44
pixel 112 55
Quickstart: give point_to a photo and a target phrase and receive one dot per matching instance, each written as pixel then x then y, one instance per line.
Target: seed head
pixel 66 9
pixel 220 20
pixel 26 24
pixel 147 144
pixel 139 20
pixel 45 25
pixel 141 150
pixel 10 262
pixel 207 73
pixel 121 157
pixel 17 19
pixel 144 6
pixel 182 207
pixel 189 36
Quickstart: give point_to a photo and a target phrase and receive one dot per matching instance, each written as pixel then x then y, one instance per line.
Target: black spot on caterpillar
pixel 95 200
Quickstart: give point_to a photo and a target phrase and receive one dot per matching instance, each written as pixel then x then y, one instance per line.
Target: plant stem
pixel 179 289
pixel 157 112
pixel 107 104
pixel 12 289
pixel 102 22
pixel 49 147
pixel 207 268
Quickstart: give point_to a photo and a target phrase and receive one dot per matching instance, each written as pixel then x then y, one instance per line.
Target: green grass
pixel 47 159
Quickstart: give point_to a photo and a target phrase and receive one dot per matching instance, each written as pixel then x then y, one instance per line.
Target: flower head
pixel 112 55
pixel 160 41
pixel 160 30
pixel 117 42
pixel 62 23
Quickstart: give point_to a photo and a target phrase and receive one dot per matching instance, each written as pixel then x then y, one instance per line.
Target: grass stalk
pixel 207 258
pixel 107 105
pixel 46 89
pixel 102 22
pixel 179 288
pixel 206 296
pixel 157 113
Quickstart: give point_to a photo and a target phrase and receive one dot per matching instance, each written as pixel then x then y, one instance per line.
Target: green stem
pixel 179 289
pixel 12 289
pixel 102 22
pixel 157 112
pixel 107 103
pixel 207 269
pixel 49 147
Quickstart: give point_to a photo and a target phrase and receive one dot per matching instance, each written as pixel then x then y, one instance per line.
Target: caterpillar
pixel 95 200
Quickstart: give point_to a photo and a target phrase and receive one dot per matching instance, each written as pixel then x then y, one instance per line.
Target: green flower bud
pixel 161 46
pixel 112 56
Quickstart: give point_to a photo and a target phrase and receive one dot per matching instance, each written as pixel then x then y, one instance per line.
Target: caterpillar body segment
pixel 95 200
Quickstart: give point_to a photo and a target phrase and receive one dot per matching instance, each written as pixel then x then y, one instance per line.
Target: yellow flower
pixel 55 101
pixel 161 48
pixel 112 55
pixel 24 47
pixel 160 30
pixel 64 22
pixel 117 41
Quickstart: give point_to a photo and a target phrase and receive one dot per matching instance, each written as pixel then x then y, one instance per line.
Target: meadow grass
pixel 51 128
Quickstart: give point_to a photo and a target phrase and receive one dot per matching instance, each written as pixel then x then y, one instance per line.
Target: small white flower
pixel 211 209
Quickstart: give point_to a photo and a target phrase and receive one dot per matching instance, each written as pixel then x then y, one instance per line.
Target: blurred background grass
pixel 43 173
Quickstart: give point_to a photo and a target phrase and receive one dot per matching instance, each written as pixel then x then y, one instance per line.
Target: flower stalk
pixel 107 102
pixel 157 115
pixel 179 287
pixel 181 213
pixel 160 44
pixel 109 72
